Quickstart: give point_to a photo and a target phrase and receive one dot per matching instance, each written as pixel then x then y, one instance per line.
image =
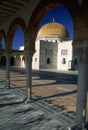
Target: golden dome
pixel 53 28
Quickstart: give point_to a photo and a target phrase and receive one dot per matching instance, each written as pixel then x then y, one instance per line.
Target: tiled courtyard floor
pixel 53 103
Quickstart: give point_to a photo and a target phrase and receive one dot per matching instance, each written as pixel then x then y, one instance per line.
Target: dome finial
pixel 53 20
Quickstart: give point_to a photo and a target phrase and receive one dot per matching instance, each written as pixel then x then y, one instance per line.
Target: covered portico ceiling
pixel 9 8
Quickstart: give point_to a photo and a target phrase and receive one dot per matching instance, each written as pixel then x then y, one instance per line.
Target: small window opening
pixel 64 61
pixel 48 61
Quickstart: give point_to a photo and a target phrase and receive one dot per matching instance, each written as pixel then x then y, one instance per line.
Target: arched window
pixel 48 61
pixel 64 61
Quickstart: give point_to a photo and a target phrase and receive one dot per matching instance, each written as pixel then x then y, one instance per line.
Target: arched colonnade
pixel 29 23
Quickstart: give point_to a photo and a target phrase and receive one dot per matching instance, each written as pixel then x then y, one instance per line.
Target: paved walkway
pixel 37 115
pixel 53 101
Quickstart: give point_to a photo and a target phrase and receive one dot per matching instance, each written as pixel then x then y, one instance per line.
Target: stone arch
pixel 42 8
pixel 14 25
pixel 2 34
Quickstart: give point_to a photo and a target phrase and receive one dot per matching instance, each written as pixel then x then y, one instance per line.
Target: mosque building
pixel 54 48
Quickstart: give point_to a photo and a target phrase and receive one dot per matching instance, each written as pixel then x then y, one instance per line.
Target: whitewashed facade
pixel 54 49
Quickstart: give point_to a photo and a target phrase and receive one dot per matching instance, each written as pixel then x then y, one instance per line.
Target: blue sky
pixel 60 15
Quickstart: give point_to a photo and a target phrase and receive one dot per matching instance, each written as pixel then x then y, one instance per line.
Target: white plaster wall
pixel 21 48
pixel 35 64
pixel 22 64
pixel 61 46
pixel 48 50
pixel 55 56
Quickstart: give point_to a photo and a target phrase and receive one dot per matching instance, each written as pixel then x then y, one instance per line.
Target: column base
pixel 27 100
pixel 7 87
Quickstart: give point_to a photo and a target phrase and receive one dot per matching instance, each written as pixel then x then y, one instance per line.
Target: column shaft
pixel 82 90
pixel 7 70
pixel 29 55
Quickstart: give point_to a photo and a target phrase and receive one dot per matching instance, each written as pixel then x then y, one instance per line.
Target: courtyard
pixel 53 105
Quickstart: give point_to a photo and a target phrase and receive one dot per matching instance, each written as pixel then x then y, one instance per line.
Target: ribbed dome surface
pixel 53 28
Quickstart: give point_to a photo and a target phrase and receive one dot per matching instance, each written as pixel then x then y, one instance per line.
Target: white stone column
pixel 8 70
pixel 28 55
pixel 21 64
pixel 82 87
